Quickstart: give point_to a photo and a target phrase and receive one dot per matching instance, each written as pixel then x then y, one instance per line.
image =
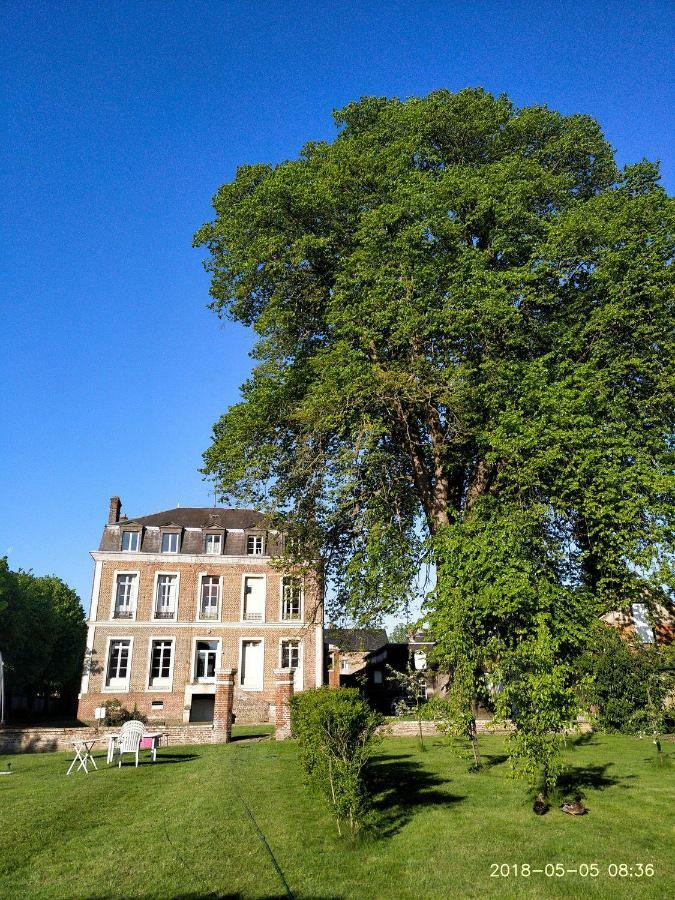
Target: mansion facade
pixel 178 595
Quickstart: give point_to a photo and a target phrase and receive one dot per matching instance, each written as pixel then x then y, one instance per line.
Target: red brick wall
pixel 248 706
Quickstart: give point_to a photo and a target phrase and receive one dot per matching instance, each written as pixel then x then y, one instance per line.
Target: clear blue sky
pixel 120 121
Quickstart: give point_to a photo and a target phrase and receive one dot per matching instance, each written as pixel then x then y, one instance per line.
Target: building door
pixel 202 707
pixel 252 665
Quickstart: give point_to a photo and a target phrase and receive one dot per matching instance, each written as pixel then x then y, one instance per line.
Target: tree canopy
pixel 465 349
pixel 42 633
pixel 461 307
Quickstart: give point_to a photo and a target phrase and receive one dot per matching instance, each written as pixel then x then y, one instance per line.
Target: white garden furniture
pixel 130 739
pixel 83 755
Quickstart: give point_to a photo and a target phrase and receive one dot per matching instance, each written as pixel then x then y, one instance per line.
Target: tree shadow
pixel 576 778
pixel 493 759
pixel 582 740
pixel 401 785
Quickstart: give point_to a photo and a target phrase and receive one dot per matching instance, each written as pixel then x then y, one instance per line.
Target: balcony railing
pixel 122 614
pixel 250 616
pixel 208 614
pixel 165 614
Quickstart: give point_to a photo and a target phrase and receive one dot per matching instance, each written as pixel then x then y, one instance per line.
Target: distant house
pixel 656 628
pixel 363 657
pixel 179 594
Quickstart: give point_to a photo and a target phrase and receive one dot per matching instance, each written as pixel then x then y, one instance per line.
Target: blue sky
pixel 121 120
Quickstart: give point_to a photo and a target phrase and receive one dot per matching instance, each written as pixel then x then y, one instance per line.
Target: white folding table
pixel 83 754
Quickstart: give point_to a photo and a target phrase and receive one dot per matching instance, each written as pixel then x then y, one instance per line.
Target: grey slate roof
pixel 234 522
pixel 355 640
pixel 200 517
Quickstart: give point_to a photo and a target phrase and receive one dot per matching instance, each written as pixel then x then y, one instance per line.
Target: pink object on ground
pixel 146 743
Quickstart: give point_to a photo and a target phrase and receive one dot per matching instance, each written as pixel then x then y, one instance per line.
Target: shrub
pixel 116 714
pixel 627 683
pixel 335 729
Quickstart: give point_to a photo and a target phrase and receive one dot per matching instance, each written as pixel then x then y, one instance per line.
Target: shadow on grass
pixel 493 759
pixel 160 761
pixel 582 740
pixel 400 786
pixel 577 778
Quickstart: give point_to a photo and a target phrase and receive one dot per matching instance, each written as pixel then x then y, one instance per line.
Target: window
pixel 252 665
pixel 641 621
pixel 170 542
pixel 290 654
pixel 291 657
pixel 160 663
pixel 130 541
pixel 254 599
pixel 255 545
pixel 291 603
pixel 377 676
pixel 344 665
pixel 125 591
pixel 165 601
pixel 213 544
pixel 205 660
pixel 157 705
pixel 208 597
pixel 118 664
pixel 420 660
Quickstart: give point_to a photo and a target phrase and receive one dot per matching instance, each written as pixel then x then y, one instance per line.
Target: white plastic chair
pixel 130 739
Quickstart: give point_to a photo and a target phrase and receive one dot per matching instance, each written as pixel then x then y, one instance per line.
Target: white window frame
pixel 263 577
pixel 154 617
pixel 193 662
pixel 200 576
pixel 169 533
pixel 165 685
pixel 301 617
pixel 344 665
pixel 135 549
pixel 298 678
pixel 244 640
pixel 123 688
pixel 644 631
pixel 134 593
pixel 210 535
pixel 256 537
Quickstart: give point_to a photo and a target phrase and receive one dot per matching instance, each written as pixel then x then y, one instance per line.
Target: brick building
pixel 178 595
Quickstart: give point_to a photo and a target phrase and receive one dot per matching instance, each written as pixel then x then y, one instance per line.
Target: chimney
pixel 114 512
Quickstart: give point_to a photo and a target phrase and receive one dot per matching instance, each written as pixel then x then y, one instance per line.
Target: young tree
pixel 458 304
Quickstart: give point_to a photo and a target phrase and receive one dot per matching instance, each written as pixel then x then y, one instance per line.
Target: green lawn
pixel 183 827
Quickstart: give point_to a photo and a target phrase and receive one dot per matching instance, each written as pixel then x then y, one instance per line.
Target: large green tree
pixel 42 634
pixel 464 320
pixel 455 299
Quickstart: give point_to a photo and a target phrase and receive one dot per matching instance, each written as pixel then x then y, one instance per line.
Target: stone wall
pixel 41 740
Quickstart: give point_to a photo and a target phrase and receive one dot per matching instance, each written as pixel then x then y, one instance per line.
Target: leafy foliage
pixel 335 729
pixel 628 683
pixel 413 686
pixel 42 633
pixel 465 356
pixel 116 714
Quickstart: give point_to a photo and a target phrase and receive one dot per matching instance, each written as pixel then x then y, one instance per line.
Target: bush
pixel 335 729
pixel 627 684
pixel 116 714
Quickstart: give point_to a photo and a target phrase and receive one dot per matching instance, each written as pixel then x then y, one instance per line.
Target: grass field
pixel 237 821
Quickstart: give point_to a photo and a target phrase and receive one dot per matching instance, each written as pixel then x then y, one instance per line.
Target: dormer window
pixel 170 542
pixel 130 541
pixel 255 545
pixel 213 544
